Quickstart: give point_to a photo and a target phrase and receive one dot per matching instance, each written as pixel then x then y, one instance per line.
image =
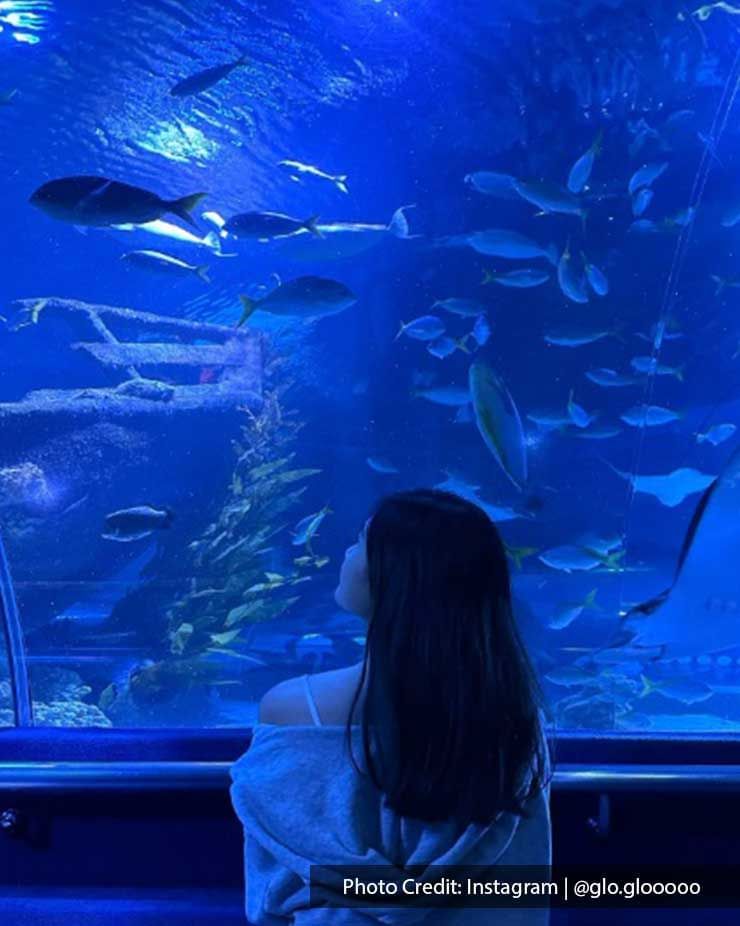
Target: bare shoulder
pixel 285 703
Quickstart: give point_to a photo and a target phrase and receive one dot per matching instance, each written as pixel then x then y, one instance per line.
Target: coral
pixel 68 714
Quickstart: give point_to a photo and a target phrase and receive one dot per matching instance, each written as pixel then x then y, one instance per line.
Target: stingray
pixel 699 614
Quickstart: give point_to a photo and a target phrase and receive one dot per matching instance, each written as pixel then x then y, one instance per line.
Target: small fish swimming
pixel 649 415
pixel 481 332
pixel 703 13
pixel 580 172
pixel 491 183
pixel 304 297
pixel 443 395
pixel 570 558
pixel 660 332
pixel 596 278
pixel 717 434
pixel 646 175
pixel 502 242
pixel 130 524
pixel 577 338
pixel 86 200
pixel 685 690
pixel 424 328
pixel 498 422
pixel 641 200
pixel 164 263
pixel 670 489
pixel 550 421
pixel 466 308
pixel 572 284
pixel 651 365
pixel 299 169
pixel 567 613
pixel 520 279
pixel 578 415
pixel 204 80
pixel 550 197
pixel 600 432
pixel 603 376
pixel 266 225
pixel 381 465
pixel 307 528
pixel 571 676
pixel 446 346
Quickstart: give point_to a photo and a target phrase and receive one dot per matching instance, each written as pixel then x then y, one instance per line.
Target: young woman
pixel 430 751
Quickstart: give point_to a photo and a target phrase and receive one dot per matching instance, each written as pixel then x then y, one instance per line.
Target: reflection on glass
pixel 324 275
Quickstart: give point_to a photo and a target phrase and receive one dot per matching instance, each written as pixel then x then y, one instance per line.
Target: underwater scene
pixel 264 263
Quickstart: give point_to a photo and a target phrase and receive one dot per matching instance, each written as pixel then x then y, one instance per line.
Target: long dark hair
pixel 451 723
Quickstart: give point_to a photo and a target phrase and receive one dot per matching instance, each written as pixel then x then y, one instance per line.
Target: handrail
pixel 11 623
pixel 146 776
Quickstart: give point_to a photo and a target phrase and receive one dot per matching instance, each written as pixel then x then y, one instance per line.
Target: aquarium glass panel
pixel 266 262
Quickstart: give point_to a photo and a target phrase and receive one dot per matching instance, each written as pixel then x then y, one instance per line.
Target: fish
pixel 717 434
pixel 491 183
pixel 497 513
pixel 578 415
pixel 339 180
pixel 646 176
pixel 481 332
pixel 550 198
pixel 266 225
pixel 580 172
pixel 577 338
pixel 571 557
pixel 517 554
pixel 600 432
pixel 443 395
pixel 466 308
pixel 307 528
pixel 685 690
pixel 649 416
pixel 567 613
pixel 572 284
pixel 570 676
pixel 204 80
pixel 596 278
pixel 520 279
pixel 446 346
pixel 381 465
pixel 498 422
pixel 603 376
pixel 550 421
pixel 670 489
pixel 641 200
pixel 651 365
pixel 304 297
pixel 165 229
pixel 7 96
pixel 98 201
pixel 659 333
pixel 164 263
pixel 424 328
pixel 602 545
pixel 703 13
pixel 130 524
pixel 501 242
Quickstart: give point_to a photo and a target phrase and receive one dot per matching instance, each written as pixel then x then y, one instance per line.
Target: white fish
pixel 502 242
pixel 298 169
pixel 444 395
pixel 579 416
pixel 603 376
pixel 492 183
pixel 717 434
pixel 163 229
pixel 646 175
pixel 466 308
pixel 649 416
pixel 580 172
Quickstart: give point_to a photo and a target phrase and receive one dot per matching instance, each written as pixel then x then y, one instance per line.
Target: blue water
pixel 406 100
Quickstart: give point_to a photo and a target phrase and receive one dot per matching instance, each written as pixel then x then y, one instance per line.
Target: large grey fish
pixel 304 297
pixel 136 523
pixel 204 80
pixel 88 200
pixel 265 225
